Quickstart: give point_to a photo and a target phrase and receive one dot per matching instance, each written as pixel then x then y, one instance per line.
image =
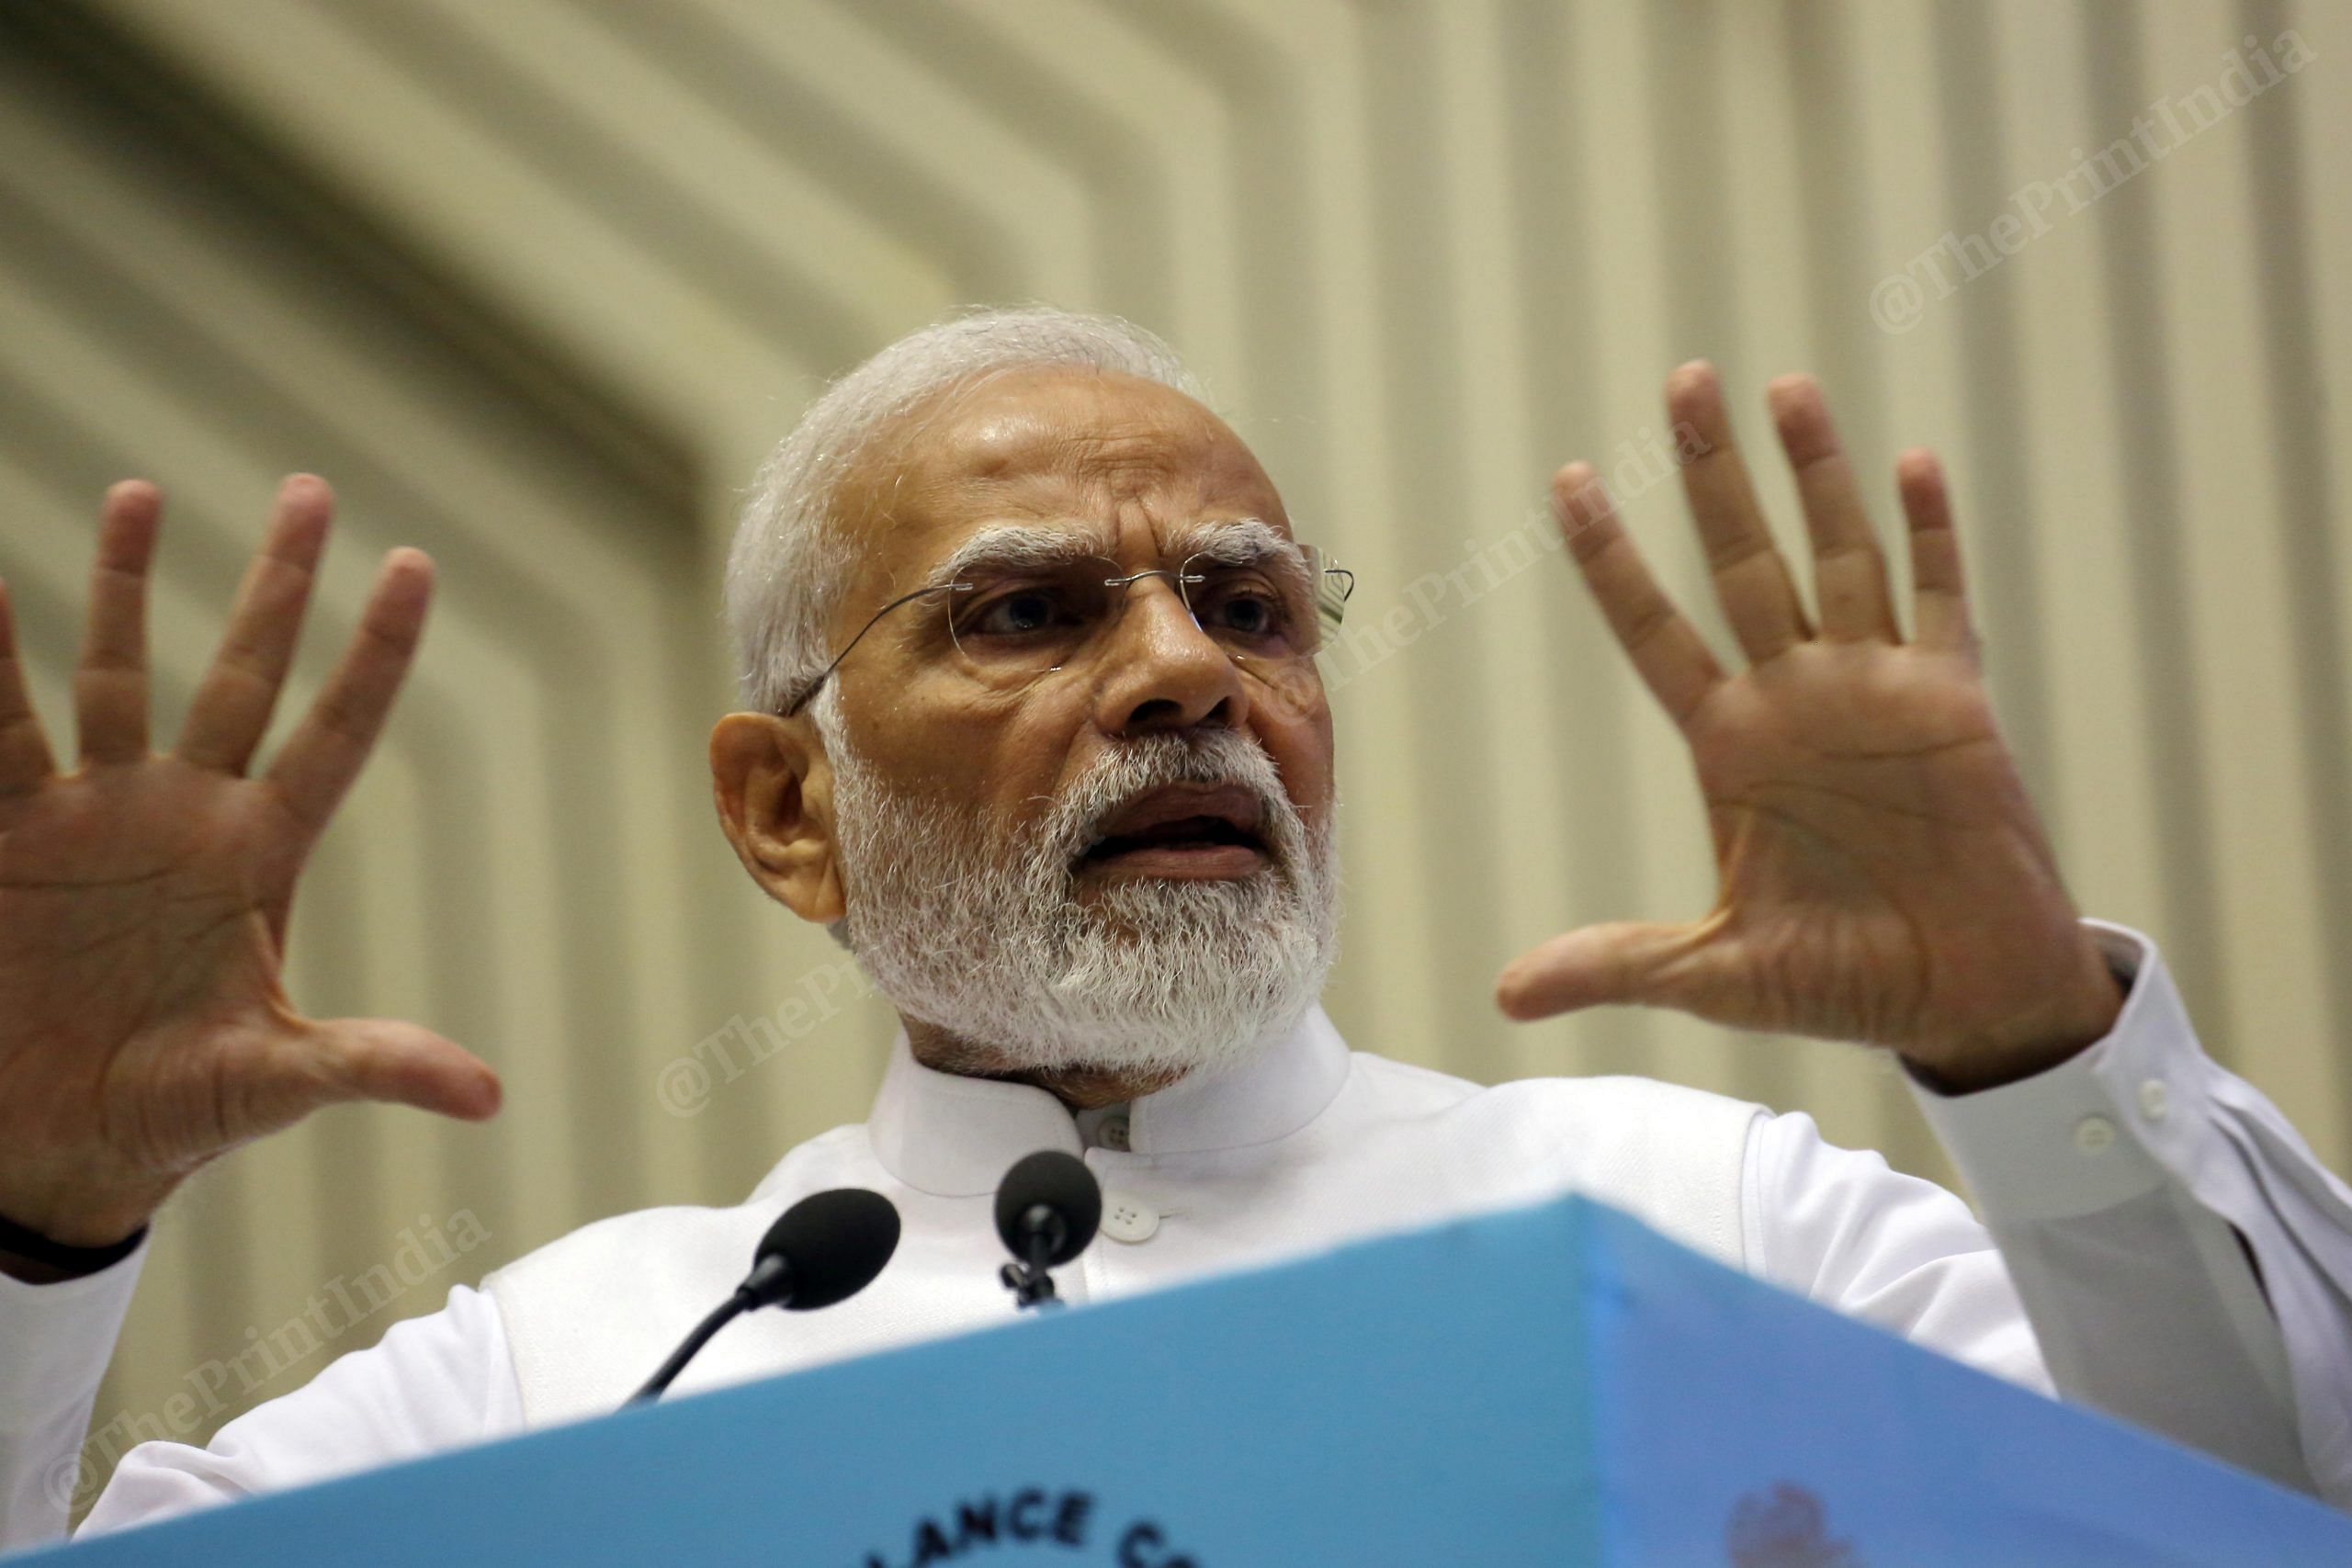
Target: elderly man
pixel 1032 720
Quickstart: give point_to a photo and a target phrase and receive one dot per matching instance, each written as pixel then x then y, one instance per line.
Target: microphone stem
pixel 720 1316
pixel 1041 1283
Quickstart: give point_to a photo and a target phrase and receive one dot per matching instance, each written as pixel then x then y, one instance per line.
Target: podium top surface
pixel 1554 1384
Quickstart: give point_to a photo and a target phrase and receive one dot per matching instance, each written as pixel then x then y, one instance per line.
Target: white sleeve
pixel 432 1383
pixel 55 1341
pixel 1842 1227
pixel 2128 1188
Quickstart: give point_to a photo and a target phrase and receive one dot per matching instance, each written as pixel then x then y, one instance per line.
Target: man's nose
pixel 1161 672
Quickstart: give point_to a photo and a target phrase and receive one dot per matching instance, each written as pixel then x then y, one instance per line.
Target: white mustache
pixel 1154 761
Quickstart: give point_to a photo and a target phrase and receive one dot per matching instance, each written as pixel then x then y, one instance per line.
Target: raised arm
pixel 143 903
pixel 1883 878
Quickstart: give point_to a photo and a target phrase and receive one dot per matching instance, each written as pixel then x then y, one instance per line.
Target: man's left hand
pixel 1883 876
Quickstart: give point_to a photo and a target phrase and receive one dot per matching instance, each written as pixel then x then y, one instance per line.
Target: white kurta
pixel 2110 1185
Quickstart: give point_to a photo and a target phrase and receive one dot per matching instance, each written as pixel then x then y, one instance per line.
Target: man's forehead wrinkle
pixel 1053 452
pixel 915 541
pixel 1053 427
pixel 1123 462
pixel 1165 494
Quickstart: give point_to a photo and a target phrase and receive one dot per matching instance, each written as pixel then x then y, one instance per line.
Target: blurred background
pixel 535 283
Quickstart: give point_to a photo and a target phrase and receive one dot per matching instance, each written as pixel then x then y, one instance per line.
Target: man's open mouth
pixel 1206 830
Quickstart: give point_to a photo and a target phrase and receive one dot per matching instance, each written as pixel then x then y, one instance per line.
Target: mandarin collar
pixel 954 1137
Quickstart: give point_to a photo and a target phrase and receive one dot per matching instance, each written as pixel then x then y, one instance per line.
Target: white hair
pixel 789 563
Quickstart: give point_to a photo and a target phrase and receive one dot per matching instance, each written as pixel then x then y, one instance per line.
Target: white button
pixel 2154 1101
pixel 2094 1134
pixel 1127 1218
pixel 1113 1133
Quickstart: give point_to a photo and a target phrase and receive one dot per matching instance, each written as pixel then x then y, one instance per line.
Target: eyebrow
pixel 1236 541
pixel 1002 547
pixel 1005 546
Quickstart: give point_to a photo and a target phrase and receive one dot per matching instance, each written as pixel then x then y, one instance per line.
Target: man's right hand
pixel 144 897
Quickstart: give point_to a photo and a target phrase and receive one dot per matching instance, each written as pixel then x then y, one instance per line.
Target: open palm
pixel 1883 876
pixel 145 896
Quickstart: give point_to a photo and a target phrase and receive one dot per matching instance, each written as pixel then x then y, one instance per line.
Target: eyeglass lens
pixel 1010 627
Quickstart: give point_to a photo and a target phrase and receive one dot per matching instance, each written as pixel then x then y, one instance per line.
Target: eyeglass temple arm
pixel 825 675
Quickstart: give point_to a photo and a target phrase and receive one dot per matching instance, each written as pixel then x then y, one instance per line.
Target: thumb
pixel 405 1064
pixel 1639 962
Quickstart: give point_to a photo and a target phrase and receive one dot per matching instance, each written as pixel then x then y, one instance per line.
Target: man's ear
pixel 773 789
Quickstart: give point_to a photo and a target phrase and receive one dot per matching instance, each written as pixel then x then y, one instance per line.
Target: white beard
pixel 1156 976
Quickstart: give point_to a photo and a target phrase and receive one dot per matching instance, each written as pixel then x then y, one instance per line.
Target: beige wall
pixel 536 281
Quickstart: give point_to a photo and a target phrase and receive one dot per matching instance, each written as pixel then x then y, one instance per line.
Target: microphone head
pixel 831 1244
pixel 1054 1180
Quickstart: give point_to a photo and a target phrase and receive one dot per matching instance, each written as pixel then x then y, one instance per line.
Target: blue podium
pixel 1552 1385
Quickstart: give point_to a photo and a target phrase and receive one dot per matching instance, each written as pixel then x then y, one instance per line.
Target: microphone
pixel 824 1250
pixel 1046 1209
